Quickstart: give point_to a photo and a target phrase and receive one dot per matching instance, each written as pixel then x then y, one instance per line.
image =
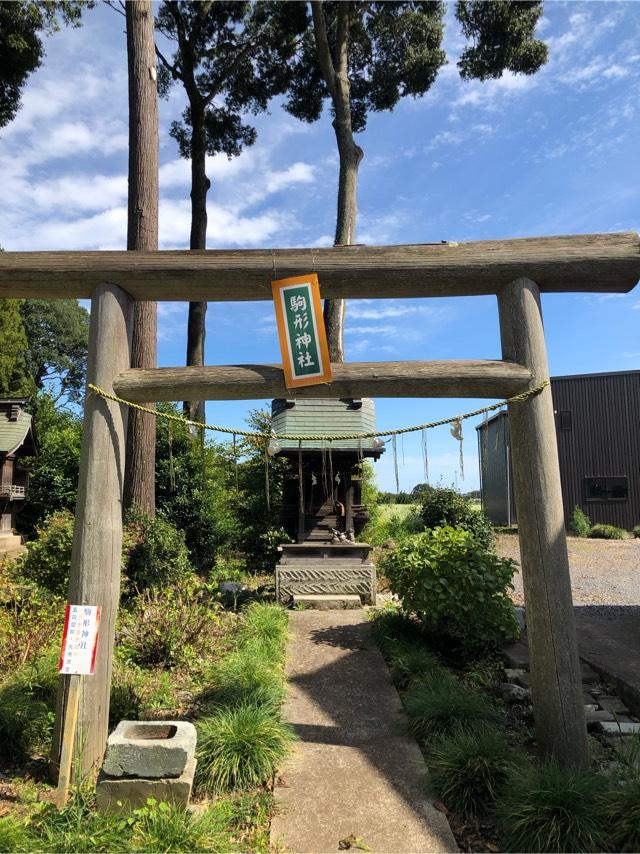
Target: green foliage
pixel 157 555
pixel 546 808
pixel 394 50
pixel 456 587
pixel 30 620
pixel 48 557
pixel 442 506
pixel 636 532
pixel 14 371
pixel 27 705
pixel 58 335
pixel 169 627
pixel 53 480
pixel 12 834
pixel 580 524
pixel 440 706
pixel 502 36
pixel 392 627
pixel 239 747
pixel 409 662
pixel 621 805
pixel 607 532
pixel 232 59
pixel 469 770
pixel 390 523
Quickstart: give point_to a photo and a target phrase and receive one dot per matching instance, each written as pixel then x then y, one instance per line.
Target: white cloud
pixel 388 311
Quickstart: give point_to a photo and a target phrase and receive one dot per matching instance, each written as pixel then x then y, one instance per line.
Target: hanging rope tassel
pixel 425 458
pixel 456 432
pixel 300 484
pixel 331 471
pixel 172 471
pixel 266 474
pixel 204 469
pixel 394 444
pixel 235 461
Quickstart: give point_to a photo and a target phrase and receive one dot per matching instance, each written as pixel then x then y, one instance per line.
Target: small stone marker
pixel 147 759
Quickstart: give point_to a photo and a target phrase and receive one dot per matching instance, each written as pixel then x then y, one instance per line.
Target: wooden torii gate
pixel 516 271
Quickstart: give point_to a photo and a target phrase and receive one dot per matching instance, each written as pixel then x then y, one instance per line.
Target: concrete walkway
pixel 354 773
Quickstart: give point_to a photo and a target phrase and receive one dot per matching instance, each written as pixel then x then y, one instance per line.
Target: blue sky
pixel 556 153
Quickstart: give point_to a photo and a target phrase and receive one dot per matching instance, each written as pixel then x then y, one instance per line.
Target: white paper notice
pixel 80 639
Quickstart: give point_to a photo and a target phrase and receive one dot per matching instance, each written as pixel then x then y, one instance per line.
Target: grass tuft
pixel 469 769
pixel 408 662
pixel 13 835
pixel 440 706
pixel 546 808
pixel 239 748
pixel 245 676
pixel 622 812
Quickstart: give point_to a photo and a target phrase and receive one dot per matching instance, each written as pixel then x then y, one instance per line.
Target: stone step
pixel 327 602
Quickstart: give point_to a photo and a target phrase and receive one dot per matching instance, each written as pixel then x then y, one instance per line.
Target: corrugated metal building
pixel 598 433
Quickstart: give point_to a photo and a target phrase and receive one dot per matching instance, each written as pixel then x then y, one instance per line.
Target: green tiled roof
pixel 324 418
pixel 13 433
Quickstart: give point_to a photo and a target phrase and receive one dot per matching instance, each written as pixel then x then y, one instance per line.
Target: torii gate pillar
pixel 555 667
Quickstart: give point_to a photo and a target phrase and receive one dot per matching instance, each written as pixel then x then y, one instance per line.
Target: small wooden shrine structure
pixel 17 440
pixel 331 470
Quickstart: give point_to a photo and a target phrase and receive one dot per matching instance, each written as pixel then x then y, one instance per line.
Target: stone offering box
pixel 147 759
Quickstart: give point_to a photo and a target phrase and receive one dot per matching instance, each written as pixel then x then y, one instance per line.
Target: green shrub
pixel 264 621
pixel 27 707
pixel 31 620
pixel 468 770
pixel 439 706
pixel 48 557
pixel 13 835
pixel 580 523
pixel 156 554
pixel 248 675
pixel 443 507
pixel 456 587
pixel 546 808
pixel 390 626
pixel 607 532
pixel 622 812
pixel 169 628
pixel 408 662
pixel 265 554
pixel 391 524
pixel 239 748
pixel 636 532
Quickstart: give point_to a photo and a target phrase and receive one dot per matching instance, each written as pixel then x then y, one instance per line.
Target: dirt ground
pixel 603 572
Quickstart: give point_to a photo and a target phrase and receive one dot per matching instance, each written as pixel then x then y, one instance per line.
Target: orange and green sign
pixel 303 341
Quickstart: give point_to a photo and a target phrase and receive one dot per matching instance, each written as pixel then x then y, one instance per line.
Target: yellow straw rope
pixel 334 438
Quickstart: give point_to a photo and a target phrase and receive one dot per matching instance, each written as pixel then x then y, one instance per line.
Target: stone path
pixel 355 772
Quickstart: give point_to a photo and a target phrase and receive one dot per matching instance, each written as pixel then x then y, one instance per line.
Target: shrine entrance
pixel 515 271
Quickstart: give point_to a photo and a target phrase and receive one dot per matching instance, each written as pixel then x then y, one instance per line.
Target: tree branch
pixel 174 69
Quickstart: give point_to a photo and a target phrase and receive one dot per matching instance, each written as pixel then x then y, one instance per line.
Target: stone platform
pixel 314 568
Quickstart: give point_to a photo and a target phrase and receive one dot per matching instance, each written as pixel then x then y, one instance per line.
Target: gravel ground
pixel 603 572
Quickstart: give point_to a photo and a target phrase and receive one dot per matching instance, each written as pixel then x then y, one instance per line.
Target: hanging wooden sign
pixel 303 340
pixel 80 639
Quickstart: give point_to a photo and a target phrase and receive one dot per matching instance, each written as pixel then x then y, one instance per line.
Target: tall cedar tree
pixel 364 56
pixel 15 379
pixel 142 234
pixel 22 25
pixel 231 59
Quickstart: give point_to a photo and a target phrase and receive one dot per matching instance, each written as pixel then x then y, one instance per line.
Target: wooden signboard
pixel 303 340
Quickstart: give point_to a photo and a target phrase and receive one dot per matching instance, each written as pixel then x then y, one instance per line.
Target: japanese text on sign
pixel 301 330
pixel 79 639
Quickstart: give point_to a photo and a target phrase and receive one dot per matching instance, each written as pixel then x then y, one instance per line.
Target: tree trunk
pixel 199 187
pixel 142 234
pixel 350 157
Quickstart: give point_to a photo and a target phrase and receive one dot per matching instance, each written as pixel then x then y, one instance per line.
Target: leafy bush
pixel 622 812
pixel 546 808
pixel 456 587
pixel 239 748
pixel 409 662
pixel 607 532
pixel 580 523
pixel 156 553
pixel 439 705
pixel 167 628
pixel 442 506
pixel 30 620
pixel 469 769
pixel 389 524
pixel 48 557
pixel 265 553
pixel 12 835
pixel 391 626
pixel 636 532
pixel 27 706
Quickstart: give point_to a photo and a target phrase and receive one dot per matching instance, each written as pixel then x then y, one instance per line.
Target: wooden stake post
pixel 97 540
pixel 556 684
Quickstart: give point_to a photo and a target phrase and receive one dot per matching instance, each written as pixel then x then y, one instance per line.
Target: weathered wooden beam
pixel 97 537
pixel 481 378
pixel 585 262
pixel 555 667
